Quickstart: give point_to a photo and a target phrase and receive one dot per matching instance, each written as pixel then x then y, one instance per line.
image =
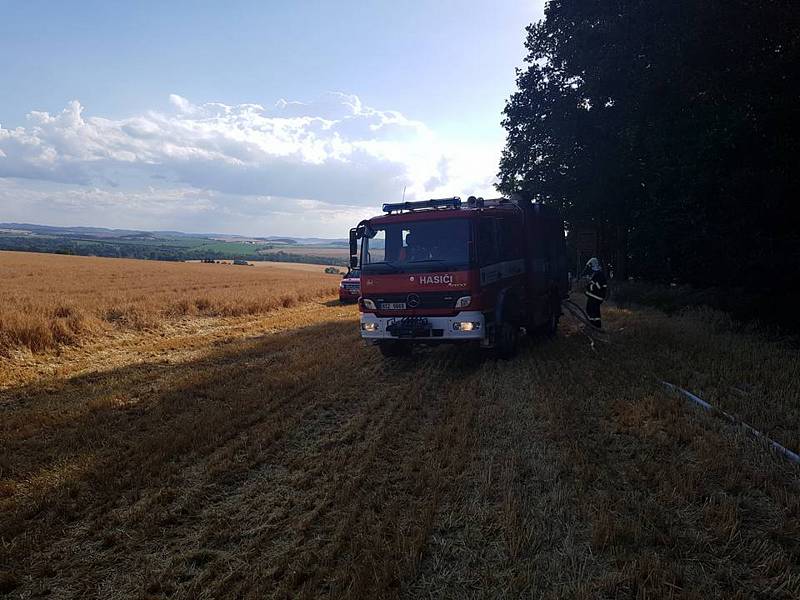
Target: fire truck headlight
pixel 368 304
pixel 466 326
pixel 463 302
pixel 369 326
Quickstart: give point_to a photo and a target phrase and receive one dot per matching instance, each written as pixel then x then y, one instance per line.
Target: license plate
pixel 393 306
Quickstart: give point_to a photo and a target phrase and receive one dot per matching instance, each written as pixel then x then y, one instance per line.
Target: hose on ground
pixel 580 315
pixel 589 330
pixel 577 312
pixel 785 452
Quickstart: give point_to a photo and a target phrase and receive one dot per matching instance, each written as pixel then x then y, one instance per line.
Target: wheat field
pixel 275 456
pixel 48 301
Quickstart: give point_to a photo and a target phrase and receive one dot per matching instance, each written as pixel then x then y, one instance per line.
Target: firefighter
pixel 596 291
pixel 414 250
pixel 405 251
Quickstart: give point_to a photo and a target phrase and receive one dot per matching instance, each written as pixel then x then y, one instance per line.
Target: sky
pixel 250 117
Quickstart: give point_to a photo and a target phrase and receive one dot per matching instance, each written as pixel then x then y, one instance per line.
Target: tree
pixel 672 127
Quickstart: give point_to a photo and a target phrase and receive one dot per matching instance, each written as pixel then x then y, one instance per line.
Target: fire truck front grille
pixel 423 300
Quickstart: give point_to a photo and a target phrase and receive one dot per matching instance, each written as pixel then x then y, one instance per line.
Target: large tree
pixel 672 127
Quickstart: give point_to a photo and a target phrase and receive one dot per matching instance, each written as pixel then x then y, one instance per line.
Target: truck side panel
pixel 546 259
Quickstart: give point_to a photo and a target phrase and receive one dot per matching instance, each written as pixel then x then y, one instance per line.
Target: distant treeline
pixel 149 251
pixel 281 256
pixel 671 129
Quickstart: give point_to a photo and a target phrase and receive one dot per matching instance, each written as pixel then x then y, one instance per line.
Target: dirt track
pixel 229 463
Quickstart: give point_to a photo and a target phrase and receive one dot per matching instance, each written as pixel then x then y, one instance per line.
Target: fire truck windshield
pixel 416 246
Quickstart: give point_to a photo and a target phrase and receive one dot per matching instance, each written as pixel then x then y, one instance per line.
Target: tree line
pixel 150 251
pixel 670 128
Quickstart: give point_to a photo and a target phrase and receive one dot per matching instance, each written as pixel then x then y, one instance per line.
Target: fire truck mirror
pixel 353 262
pixel 353 245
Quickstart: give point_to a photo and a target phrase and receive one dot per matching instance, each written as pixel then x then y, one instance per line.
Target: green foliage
pixel 174 249
pixel 672 127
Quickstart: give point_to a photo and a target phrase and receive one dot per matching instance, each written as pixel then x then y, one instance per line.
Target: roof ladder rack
pixel 433 203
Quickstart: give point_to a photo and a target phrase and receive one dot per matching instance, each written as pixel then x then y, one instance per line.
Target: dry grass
pixel 49 301
pixel 300 464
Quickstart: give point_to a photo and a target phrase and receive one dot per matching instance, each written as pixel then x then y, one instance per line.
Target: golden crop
pixel 48 300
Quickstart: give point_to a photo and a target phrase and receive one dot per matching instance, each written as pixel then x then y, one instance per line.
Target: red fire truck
pixel 350 287
pixel 443 271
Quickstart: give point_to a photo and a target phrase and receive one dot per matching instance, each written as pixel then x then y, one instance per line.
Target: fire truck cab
pixel 444 271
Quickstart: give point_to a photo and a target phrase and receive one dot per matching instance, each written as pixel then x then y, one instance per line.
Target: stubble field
pixel 272 455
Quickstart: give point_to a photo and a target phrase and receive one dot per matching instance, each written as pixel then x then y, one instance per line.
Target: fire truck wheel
pixel 550 326
pixel 392 348
pixel 507 340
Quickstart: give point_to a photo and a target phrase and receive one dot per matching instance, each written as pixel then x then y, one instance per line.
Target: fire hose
pixel 577 312
pixel 588 329
pixel 792 456
pixel 580 315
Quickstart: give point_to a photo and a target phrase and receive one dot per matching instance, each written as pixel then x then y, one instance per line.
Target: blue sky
pixel 249 117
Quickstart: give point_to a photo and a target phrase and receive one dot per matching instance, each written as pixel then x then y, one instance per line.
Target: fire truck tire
pixel 392 348
pixel 550 326
pixel 507 340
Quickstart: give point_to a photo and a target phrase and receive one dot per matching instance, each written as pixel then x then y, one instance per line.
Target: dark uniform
pixel 596 293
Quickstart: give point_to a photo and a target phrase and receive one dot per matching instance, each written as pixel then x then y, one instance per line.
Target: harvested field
pixel 49 301
pixel 274 456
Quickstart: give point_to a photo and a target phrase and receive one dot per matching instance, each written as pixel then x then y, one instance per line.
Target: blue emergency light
pixel 454 202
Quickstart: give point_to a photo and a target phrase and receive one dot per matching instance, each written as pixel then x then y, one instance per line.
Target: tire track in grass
pixel 311 489
pixel 510 527
pixel 369 512
pixel 395 496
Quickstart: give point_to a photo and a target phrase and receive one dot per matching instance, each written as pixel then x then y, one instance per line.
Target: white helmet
pixel 593 264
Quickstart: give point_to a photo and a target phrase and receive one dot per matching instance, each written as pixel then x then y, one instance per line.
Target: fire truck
pixel 446 271
pixel 350 287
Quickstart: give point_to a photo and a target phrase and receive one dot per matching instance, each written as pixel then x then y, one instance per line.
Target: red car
pixel 350 286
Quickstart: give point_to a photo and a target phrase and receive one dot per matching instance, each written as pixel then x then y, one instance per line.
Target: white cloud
pixel 182 104
pixel 335 152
